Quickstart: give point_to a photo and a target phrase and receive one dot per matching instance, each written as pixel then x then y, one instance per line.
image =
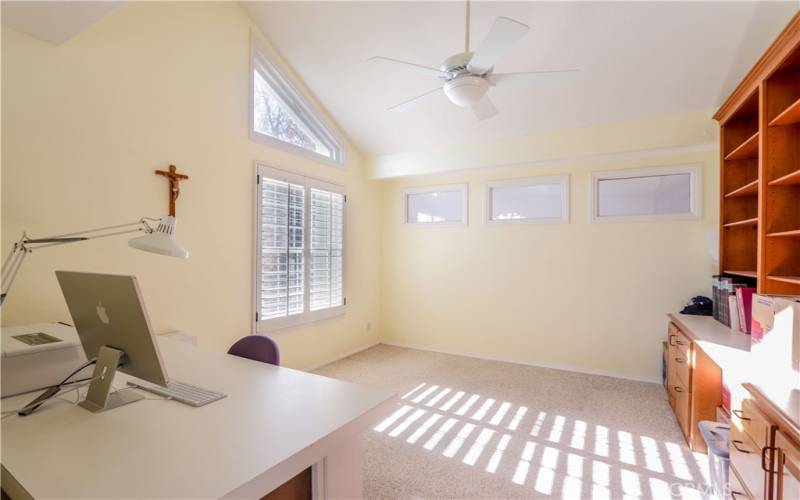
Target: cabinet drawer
pixel 680 395
pixel 746 459
pixel 752 422
pixel 682 367
pixel 684 344
pixel 737 491
pixel 676 339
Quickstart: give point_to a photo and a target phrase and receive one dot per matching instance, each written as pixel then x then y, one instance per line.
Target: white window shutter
pixel 326 255
pixel 282 248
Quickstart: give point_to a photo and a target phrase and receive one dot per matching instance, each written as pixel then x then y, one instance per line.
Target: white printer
pixel 39 355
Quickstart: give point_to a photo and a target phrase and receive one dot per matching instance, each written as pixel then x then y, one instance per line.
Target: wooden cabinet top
pixel 782 405
pixel 780 48
pixel 726 347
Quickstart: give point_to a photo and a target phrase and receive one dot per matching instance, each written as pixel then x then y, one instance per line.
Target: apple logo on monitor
pixel 101 313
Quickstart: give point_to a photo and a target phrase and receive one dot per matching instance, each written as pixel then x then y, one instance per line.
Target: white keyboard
pixel 181 392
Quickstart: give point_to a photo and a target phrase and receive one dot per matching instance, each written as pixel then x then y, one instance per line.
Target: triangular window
pixel 279 113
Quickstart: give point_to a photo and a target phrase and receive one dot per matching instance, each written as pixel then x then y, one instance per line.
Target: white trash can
pixel 717 435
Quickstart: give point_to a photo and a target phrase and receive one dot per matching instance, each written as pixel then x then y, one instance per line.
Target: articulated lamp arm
pixel 160 239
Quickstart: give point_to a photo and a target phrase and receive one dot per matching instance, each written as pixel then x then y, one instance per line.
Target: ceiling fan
pixel 467 75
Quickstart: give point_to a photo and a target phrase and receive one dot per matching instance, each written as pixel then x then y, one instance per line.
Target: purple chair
pixel 257 348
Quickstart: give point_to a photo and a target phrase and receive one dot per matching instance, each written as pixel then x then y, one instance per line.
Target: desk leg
pixel 341 473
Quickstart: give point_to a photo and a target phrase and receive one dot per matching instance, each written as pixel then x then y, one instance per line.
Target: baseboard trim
pixel 346 355
pixel 602 373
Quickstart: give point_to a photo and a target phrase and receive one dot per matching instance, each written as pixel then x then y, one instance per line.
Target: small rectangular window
pixel 532 200
pixel 662 193
pixel 299 249
pixel 443 205
pixel 281 116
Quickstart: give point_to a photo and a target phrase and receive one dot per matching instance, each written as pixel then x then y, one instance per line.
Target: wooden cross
pixel 174 185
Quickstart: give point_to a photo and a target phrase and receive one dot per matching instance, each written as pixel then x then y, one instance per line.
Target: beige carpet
pixel 469 428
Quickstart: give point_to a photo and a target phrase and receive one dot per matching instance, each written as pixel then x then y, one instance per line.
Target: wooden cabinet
pixel 735 488
pixel 760 171
pixel 787 468
pixel 764 449
pixel 745 460
pixel 694 385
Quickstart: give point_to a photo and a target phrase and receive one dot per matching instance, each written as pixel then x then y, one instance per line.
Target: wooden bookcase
pixel 760 171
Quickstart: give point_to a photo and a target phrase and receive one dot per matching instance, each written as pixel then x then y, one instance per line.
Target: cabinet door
pixel 788 468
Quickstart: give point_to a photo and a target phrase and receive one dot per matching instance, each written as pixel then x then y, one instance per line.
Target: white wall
pixel 580 296
pixel 86 123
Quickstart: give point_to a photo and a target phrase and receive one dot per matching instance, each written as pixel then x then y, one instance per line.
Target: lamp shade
pixel 161 240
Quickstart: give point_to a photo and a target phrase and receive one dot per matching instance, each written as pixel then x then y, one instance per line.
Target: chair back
pixel 257 348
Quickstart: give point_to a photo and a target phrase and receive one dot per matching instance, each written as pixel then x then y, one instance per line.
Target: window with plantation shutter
pixel 299 249
pixel 325 282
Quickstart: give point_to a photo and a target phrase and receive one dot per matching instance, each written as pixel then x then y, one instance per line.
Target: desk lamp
pixel 160 240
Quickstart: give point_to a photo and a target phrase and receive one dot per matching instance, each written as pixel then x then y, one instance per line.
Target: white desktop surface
pixel 164 449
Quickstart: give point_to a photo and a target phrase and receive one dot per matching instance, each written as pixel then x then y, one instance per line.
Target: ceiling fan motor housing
pixel 466 90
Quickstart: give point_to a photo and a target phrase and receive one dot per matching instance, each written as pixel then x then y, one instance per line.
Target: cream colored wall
pixel 581 296
pixel 85 124
pixel 649 136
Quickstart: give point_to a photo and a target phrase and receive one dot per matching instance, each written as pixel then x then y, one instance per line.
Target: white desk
pixel 275 423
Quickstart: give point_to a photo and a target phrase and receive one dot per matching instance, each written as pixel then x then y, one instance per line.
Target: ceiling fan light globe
pixel 466 90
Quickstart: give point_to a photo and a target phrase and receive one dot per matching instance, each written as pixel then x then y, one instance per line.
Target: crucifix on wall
pixel 175 179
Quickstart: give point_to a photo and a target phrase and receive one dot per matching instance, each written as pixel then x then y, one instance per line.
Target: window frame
pixel 306 114
pixel 307 316
pixel 695 195
pixel 462 187
pixel 562 180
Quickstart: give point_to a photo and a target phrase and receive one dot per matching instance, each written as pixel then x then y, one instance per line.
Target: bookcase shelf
pixel 749 189
pixel 746 274
pixel 746 222
pixel 795 233
pixel 760 139
pixel 789 116
pixel 795 280
pixel 790 179
pixel 746 150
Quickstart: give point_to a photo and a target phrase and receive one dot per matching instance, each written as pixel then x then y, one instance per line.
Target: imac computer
pixel 109 314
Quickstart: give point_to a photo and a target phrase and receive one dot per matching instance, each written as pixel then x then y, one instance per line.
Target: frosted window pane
pixel 542 201
pixel 650 195
pixel 435 206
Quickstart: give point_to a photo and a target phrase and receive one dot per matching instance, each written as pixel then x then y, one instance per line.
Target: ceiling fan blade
pixel 502 35
pixel 408 103
pixel 484 109
pixel 416 68
pixel 509 79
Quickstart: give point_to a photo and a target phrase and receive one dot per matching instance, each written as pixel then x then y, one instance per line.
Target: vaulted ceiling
pixel 636 59
pixel 55 21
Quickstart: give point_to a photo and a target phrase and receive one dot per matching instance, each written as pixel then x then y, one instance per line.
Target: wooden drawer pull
pixel 679 342
pixel 680 360
pixel 672 336
pixel 677 389
pixel 764 458
pixel 740 414
pixel 735 442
